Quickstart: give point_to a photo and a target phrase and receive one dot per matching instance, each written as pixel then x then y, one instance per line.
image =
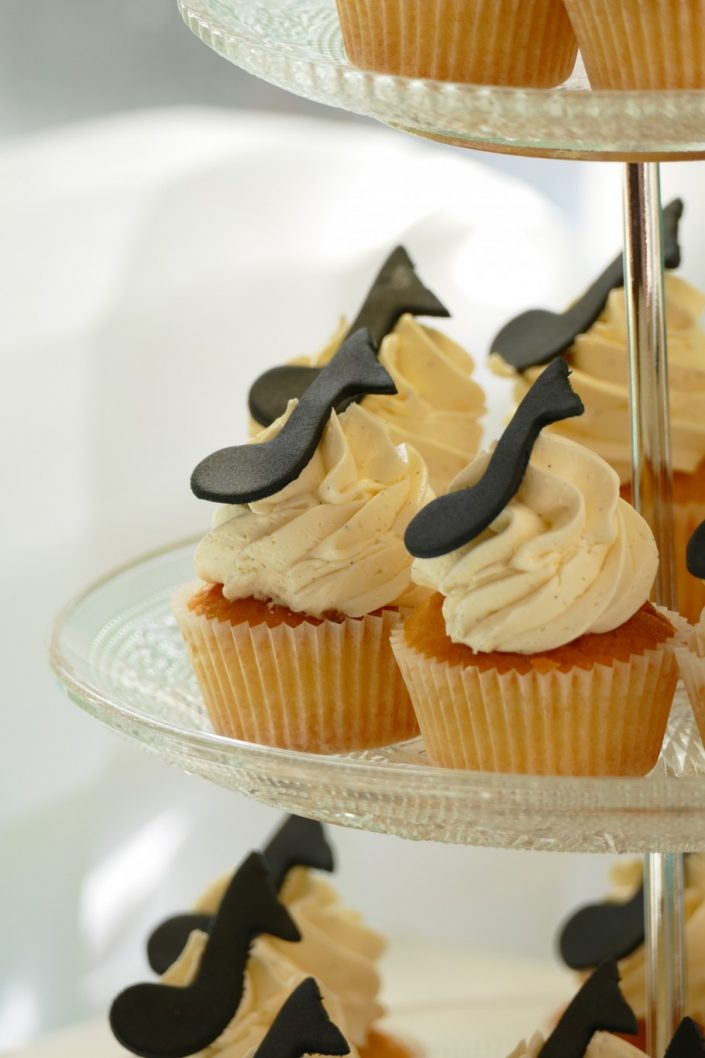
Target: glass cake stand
pixel 119 654
pixel 116 648
pixel 296 44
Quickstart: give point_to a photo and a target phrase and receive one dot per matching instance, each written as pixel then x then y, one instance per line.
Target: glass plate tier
pixel 296 45
pixel 117 651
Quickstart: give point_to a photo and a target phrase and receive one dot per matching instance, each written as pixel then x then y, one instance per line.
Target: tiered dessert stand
pixel 116 648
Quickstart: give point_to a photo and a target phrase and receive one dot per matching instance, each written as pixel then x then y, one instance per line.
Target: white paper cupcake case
pixel 520 42
pixel 608 720
pixel 326 688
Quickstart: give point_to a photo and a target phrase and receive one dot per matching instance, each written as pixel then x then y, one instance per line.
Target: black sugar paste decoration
pixel 455 519
pixel 250 472
pixel 298 842
pixel 538 335
pixel 302 1027
pixel 687 1041
pixel 603 931
pixel 695 553
pixel 166 1021
pixel 599 1006
pixel 397 289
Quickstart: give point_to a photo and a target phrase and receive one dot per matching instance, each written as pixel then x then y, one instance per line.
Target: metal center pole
pixel 651 495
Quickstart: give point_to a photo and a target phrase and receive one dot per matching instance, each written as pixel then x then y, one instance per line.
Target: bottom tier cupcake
pixel 227 967
pixel 614 929
pixel 539 653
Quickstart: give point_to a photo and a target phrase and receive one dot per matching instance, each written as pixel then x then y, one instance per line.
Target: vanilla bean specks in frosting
pixel 566 556
pixel 599 362
pixel 332 539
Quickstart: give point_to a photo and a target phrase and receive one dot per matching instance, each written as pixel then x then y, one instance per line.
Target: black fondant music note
pixel 166 1021
pixel 250 472
pixel 599 1006
pixel 695 553
pixel 458 517
pixel 538 335
pixel 302 1027
pixel 687 1041
pixel 603 931
pixel 298 842
pixel 396 289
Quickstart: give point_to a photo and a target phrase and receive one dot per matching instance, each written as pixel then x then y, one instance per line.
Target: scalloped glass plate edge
pixel 117 653
pixel 296 45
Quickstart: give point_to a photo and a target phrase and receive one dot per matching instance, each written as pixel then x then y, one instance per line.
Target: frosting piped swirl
pixel 332 540
pixel 565 557
pixel 437 407
pixel 600 374
pixel 336 946
pixel 269 980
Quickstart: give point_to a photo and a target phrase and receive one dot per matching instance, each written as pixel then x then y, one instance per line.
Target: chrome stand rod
pixel 651 493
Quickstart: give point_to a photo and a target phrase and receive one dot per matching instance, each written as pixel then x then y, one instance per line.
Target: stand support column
pixel 651 492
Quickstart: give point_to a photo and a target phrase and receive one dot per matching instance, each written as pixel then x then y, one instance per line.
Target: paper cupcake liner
pixel 641 43
pixel 324 688
pixel 691 661
pixel 510 42
pixel 607 720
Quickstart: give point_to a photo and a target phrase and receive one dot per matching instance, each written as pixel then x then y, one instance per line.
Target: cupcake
pixel 227 978
pixel 641 44
pixel 538 652
pixel 269 980
pixel 501 42
pixel 336 946
pixel 586 1026
pixel 614 929
pixel 599 360
pixel 437 407
pixel 304 573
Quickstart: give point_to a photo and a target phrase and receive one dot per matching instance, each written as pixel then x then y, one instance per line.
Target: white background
pixel 151 264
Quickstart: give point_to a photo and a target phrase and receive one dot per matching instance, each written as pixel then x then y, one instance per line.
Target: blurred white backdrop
pixel 152 263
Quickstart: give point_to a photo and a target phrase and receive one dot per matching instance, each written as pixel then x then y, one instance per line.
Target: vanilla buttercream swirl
pixel 599 361
pixel 336 946
pixel 269 980
pixel 566 556
pixel 602 1045
pixel 332 540
pixel 437 407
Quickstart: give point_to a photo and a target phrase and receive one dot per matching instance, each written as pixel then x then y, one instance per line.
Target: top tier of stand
pixel 296 45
